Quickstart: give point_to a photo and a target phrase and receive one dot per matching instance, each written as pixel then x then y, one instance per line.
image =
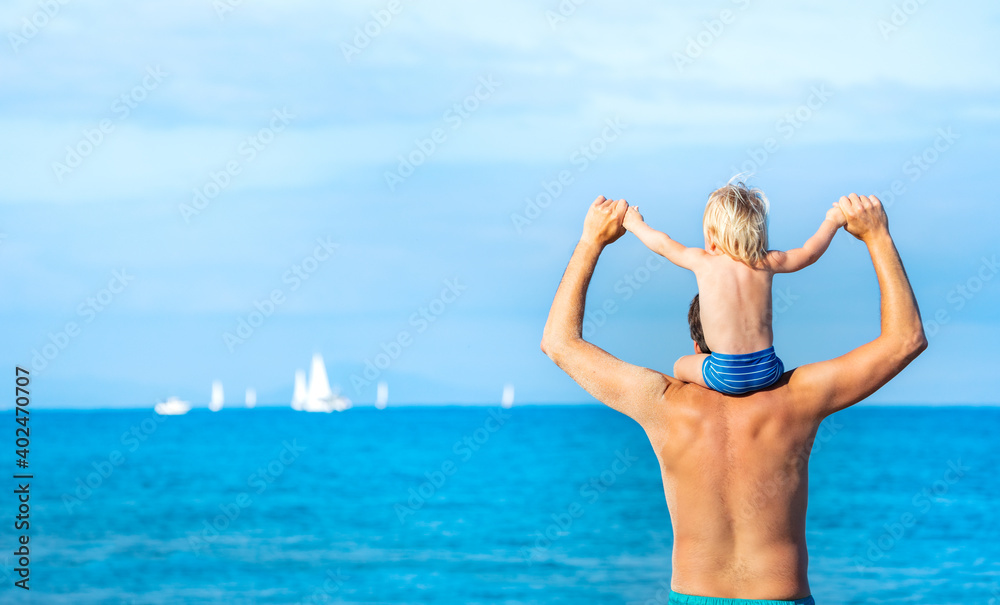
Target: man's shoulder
pixel 797 392
pixel 787 391
pixel 685 398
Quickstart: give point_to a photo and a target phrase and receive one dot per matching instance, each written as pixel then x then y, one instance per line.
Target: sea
pixel 463 505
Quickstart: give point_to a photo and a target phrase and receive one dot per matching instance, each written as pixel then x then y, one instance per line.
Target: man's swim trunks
pixel 742 374
pixel 677 598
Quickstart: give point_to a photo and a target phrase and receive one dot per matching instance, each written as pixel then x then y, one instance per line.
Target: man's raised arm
pixel 627 388
pixel 833 385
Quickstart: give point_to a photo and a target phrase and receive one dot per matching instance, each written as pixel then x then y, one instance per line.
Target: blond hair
pixel 736 220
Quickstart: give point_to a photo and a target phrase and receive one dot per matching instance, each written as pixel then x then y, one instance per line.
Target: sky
pixel 197 190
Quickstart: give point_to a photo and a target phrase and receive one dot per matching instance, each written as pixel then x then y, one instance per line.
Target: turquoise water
pixel 471 505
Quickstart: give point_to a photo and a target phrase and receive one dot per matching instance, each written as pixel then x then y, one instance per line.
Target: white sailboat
pixel 507 399
pixel 299 395
pixel 172 407
pixel 319 396
pixel 251 397
pixel 382 396
pixel 216 403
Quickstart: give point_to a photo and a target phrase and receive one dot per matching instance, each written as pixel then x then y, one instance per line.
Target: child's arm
pixel 815 246
pixel 660 242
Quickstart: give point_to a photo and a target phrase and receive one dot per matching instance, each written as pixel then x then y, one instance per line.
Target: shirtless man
pixel 735 469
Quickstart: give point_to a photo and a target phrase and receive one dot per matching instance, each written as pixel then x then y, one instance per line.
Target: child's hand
pixel 633 218
pixel 834 214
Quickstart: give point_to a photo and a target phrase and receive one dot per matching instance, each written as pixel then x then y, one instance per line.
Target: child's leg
pixel 688 369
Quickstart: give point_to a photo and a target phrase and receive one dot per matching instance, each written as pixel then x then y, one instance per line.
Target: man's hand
pixel 865 216
pixel 632 218
pixel 603 224
pixel 836 215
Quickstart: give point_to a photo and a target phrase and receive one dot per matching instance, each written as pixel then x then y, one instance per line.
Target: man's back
pixel 736 482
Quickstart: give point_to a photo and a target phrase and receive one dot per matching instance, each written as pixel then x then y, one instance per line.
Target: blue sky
pixel 291 137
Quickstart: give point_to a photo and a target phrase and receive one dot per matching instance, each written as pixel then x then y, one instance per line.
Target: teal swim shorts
pixel 677 598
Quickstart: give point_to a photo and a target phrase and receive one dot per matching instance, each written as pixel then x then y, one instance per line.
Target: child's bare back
pixel 735 304
pixel 735 272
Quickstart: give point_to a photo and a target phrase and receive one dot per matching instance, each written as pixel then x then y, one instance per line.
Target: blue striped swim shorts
pixel 742 374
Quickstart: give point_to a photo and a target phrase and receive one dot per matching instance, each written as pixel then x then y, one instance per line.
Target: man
pixel 735 469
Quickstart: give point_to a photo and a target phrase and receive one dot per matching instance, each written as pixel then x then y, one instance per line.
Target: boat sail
pixel 382 396
pixel 216 403
pixel 172 407
pixel 507 399
pixel 251 397
pixel 299 395
pixel 319 396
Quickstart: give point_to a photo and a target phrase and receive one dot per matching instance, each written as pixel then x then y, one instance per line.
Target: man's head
pixel 694 322
pixel 736 222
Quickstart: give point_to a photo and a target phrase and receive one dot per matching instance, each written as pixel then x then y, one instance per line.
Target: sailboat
pixel 319 396
pixel 216 403
pixel 507 399
pixel 299 395
pixel 382 396
pixel 251 397
pixel 172 407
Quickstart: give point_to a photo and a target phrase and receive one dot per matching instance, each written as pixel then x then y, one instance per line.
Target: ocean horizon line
pixel 371 406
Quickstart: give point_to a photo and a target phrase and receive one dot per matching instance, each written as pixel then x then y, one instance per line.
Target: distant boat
pixel 382 396
pixel 216 403
pixel 172 407
pixel 251 397
pixel 299 395
pixel 507 399
pixel 319 396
